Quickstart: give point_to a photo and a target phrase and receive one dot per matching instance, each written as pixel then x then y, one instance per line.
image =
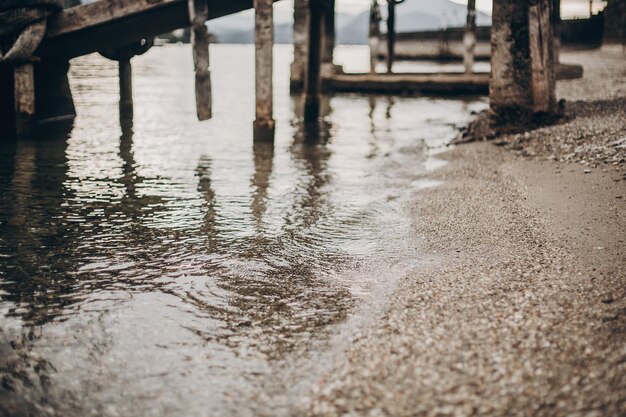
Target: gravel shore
pixel 519 307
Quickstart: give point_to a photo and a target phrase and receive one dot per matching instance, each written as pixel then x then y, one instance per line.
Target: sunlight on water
pixel 176 269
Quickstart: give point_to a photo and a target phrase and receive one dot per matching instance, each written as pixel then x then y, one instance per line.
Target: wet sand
pixel 519 308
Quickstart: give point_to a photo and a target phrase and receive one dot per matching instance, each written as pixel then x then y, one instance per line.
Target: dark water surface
pixel 176 269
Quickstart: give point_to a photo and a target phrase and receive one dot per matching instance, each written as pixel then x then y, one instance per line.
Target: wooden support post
pixel 300 44
pixel 264 124
pixel 556 29
pixel 329 40
pixel 126 91
pixel 313 80
pixel 522 67
pixel 541 39
pixel 374 34
pixel 198 15
pixel 24 87
pixel 469 39
pixel 391 34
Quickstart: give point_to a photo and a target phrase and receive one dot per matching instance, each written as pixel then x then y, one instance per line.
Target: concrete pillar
pixel 391 34
pixel 313 79
pixel 300 44
pixel 24 96
pixel 374 34
pixel 522 68
pixel 469 39
pixel 264 43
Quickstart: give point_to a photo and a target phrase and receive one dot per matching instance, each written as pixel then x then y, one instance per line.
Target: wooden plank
pixel 410 83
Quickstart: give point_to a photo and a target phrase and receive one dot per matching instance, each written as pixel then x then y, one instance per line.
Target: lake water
pixel 178 269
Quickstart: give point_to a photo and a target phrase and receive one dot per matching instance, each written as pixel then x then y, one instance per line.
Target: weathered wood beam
pixel 198 14
pixel 391 33
pixel 522 65
pixel 106 24
pixel 24 82
pixel 469 38
pixel 374 34
pixel 313 80
pixel 300 44
pixel 541 39
pixel 125 71
pixel 264 124
pixel 328 48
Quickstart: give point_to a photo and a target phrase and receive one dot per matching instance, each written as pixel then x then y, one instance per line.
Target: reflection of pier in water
pixel 33 69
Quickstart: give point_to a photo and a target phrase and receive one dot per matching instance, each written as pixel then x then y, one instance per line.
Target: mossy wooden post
pixel 24 96
pixel 198 15
pixel 300 44
pixel 522 82
pixel 391 34
pixel 469 38
pixel 264 124
pixel 313 79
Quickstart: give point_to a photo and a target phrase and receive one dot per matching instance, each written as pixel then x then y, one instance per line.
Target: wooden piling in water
pixel 329 41
pixel 469 38
pixel 300 45
pixel 374 33
pixel 313 79
pixel 24 96
pixel 126 91
pixel 198 15
pixel 522 65
pixel 391 33
pixel 264 124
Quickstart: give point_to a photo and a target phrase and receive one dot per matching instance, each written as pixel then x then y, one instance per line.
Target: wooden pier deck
pixel 105 24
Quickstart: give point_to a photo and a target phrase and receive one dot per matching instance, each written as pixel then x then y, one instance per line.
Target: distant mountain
pixel 412 16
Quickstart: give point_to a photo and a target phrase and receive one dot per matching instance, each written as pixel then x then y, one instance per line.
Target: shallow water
pixel 175 268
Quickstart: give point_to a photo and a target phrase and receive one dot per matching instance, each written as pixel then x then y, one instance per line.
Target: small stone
pixel 587 171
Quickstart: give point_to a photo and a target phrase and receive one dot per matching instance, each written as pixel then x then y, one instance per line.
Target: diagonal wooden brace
pixel 198 15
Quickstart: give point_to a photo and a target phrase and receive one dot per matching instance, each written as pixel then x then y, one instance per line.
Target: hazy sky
pixel 570 8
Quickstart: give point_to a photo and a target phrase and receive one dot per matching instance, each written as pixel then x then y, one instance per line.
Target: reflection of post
pixel 300 44
pixel 313 81
pixel 264 44
pixel 24 98
pixel 263 160
pixel 374 35
pixel 469 39
pixel 391 33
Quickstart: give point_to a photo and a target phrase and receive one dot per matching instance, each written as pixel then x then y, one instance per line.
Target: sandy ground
pixel 520 306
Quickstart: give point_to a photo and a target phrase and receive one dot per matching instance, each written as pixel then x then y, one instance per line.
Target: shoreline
pixel 521 309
